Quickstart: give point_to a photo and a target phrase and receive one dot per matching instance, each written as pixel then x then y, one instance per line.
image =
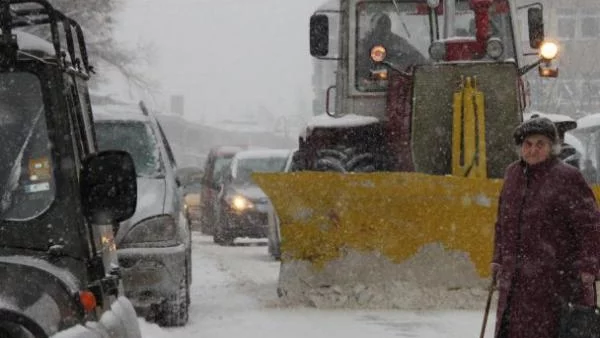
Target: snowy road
pixel 234 295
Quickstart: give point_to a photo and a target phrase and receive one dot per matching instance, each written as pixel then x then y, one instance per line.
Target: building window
pixel 590 92
pixel 566 23
pixel 590 24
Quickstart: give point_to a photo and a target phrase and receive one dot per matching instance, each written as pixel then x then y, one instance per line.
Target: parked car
pixel 218 158
pixel 274 232
pixel 242 207
pixel 154 245
pixel 191 183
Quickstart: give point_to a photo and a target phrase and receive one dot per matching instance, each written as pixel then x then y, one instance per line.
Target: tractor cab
pixel 413 67
pixel 374 39
pixel 59 197
pixel 406 34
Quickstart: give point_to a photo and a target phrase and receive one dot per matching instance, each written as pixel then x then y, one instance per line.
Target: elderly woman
pixel 547 237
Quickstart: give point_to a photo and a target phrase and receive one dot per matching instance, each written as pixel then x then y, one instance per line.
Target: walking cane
pixel 487 307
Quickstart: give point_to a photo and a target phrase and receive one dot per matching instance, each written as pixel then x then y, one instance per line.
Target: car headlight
pixel 239 203
pixel 160 230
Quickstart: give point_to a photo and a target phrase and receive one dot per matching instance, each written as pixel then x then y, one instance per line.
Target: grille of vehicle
pixel 258 218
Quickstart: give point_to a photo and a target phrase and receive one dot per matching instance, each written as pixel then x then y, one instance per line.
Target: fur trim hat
pixel 536 126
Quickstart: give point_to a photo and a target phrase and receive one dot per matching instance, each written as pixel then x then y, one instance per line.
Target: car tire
pixel 206 228
pixel 175 311
pixel 221 237
pixel 274 250
pixel 269 246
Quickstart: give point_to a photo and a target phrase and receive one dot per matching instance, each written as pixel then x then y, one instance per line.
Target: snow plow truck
pixel 394 204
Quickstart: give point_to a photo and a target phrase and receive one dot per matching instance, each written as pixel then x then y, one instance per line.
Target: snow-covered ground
pixel 234 295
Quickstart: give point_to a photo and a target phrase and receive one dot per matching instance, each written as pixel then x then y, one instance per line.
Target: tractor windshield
pixel 26 180
pixel 403 29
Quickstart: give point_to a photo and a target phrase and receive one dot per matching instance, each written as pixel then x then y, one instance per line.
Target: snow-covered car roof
pixel 588 123
pixel 118 112
pixel 262 153
pixel 574 141
pixel 226 149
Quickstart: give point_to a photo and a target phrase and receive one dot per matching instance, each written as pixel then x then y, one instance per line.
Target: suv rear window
pixel 134 137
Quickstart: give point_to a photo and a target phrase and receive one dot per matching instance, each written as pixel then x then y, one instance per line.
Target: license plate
pixel 32 188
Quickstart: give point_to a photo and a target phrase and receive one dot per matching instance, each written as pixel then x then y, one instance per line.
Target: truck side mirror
pixel 535 19
pixel 319 35
pixel 108 187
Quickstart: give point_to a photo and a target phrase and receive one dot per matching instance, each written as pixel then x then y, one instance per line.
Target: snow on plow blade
pixel 383 240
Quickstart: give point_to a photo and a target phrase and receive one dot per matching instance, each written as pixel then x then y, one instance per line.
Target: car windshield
pixel 221 163
pixel 135 137
pixel 404 30
pixel 246 166
pixel 26 179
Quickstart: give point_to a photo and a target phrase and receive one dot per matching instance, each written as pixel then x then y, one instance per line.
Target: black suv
pixel 59 196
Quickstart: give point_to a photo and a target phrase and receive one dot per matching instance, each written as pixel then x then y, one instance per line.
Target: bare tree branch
pixel 96 18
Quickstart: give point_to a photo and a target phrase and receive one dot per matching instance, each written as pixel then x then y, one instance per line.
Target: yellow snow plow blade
pixel 468 131
pixel 383 240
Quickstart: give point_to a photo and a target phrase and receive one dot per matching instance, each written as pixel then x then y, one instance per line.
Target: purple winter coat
pixel 547 234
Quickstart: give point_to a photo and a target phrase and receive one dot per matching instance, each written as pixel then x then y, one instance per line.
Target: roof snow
pixel 344 121
pixel 589 122
pixel 556 118
pixel 27 41
pixel 575 142
pixel 350 120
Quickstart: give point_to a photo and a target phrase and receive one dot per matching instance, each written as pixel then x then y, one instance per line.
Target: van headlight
pixel 159 231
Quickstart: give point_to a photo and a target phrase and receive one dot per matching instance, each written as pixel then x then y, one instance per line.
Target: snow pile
pixel 434 278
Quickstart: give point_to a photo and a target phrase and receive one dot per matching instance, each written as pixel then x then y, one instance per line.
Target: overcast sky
pixel 227 57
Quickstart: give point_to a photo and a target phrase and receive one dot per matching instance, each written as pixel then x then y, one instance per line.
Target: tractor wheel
pixel 345 159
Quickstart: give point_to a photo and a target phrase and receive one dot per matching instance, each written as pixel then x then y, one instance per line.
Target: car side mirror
pixel 108 187
pixel 319 35
pixel 535 19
